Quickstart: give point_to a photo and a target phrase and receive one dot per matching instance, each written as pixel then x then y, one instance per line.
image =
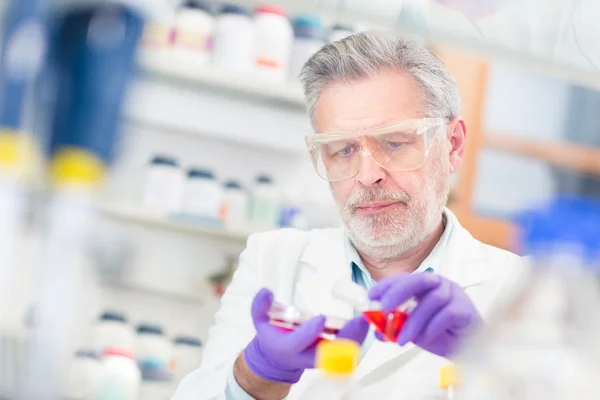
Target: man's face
pixel 387 213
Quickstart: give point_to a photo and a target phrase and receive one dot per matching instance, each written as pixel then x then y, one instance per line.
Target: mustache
pixel 376 194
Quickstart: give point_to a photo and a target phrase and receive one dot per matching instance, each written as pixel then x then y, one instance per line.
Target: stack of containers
pixel 265 207
pixel 194 32
pixel 309 37
pixel 235 205
pixel 233 48
pixel 274 39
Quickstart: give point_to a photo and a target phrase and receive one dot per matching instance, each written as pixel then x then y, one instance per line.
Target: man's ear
pixel 458 139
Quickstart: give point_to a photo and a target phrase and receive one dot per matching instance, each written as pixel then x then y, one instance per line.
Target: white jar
pixel 187 354
pixel 339 32
pixel 112 331
pixel 164 185
pixel 84 379
pixel 194 25
pixel 233 48
pixel 203 194
pixel 121 377
pixel 274 40
pixel 265 206
pixel 152 346
pixel 235 204
pixel 309 37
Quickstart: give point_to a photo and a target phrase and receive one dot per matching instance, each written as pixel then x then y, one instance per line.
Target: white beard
pixel 385 236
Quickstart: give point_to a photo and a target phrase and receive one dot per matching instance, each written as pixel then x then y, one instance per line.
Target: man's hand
pixel 281 357
pixel 443 317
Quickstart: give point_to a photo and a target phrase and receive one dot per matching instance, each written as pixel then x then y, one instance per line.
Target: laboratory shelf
pixel 139 216
pixel 198 296
pixel 561 154
pixel 161 64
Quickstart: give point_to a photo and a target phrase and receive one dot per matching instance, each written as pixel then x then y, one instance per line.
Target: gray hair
pixel 364 54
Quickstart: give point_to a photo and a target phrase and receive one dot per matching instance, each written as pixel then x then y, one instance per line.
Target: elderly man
pixel 388 138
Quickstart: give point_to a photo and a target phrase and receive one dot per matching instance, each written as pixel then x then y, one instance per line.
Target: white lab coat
pixel 315 260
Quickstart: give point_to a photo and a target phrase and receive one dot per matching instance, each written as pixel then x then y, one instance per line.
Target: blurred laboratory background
pixel 209 148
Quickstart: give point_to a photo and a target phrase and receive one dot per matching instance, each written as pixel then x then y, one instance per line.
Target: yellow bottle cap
pixel 76 166
pixel 449 376
pixel 338 357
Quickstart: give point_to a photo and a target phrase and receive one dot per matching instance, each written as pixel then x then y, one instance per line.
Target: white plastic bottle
pixel 543 341
pixel 203 194
pixel 187 354
pixel 234 41
pixel 265 206
pixel 235 205
pixel 274 40
pixel 112 331
pixel 309 37
pixel 121 378
pixel 164 185
pixel 194 25
pixel 152 346
pixel 85 376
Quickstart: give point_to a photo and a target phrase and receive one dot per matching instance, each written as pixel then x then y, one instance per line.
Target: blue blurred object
pixel 113 316
pixel 149 329
pixel 308 27
pixel 91 62
pixel 567 222
pixel 22 53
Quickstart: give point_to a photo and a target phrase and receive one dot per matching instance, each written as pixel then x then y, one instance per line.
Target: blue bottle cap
pixel 188 340
pixel 342 27
pixel 308 27
pixel 264 179
pixel 113 316
pixel 198 5
pixel 235 9
pixel 150 329
pixel 200 173
pixel 87 353
pixel 233 185
pixel 163 160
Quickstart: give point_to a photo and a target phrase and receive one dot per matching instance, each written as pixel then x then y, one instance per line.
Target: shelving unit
pixel 165 66
pixel 560 154
pixel 140 217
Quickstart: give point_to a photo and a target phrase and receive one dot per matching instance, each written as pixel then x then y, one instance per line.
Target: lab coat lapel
pixel 323 263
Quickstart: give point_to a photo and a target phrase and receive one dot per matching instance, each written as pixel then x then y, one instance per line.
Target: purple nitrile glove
pixel 280 356
pixel 443 317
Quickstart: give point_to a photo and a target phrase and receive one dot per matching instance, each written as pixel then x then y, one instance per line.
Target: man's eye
pixel 345 152
pixel 395 145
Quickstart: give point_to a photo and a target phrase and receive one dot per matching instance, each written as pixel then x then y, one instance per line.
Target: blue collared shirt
pixel 361 276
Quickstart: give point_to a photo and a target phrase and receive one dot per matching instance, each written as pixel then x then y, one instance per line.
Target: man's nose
pixel 370 172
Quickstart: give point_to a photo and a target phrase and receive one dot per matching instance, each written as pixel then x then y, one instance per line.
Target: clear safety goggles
pixel 396 148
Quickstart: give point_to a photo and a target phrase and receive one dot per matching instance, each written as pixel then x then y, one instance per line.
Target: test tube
pixel 91 62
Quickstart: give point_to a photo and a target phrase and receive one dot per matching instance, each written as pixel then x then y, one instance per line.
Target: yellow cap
pixel 448 376
pixel 76 166
pixel 337 357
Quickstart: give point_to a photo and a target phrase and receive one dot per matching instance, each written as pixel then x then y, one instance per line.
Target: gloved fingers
pixel 383 285
pixel 407 287
pixel 261 305
pixel 380 336
pixel 356 329
pixel 428 306
pixel 307 358
pixel 305 335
